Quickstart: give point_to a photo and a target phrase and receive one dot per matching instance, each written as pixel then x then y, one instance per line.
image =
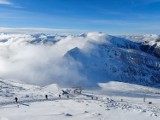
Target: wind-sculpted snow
pixel 79 60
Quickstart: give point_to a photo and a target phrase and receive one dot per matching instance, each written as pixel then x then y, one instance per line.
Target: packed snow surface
pixel 90 105
pixel 76 110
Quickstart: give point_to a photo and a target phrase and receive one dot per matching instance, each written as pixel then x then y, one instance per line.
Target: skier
pixel 59 96
pixel 46 96
pixel 16 99
pixel 67 96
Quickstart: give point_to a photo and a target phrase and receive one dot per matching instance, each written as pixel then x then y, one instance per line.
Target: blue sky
pixel 78 16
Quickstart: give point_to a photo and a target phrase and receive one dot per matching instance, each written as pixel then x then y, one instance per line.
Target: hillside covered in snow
pixel 83 60
pixel 111 102
pixel 124 68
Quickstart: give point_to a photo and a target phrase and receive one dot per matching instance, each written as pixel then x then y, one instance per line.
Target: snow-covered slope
pixel 88 60
pixel 104 105
pixel 77 110
pixel 85 60
pixel 11 89
pixel 128 90
pixel 149 43
pixel 117 59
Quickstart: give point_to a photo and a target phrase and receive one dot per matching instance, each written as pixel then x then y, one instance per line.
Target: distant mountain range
pixel 100 57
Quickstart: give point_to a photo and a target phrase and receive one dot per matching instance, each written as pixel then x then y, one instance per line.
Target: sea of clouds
pixel 28 58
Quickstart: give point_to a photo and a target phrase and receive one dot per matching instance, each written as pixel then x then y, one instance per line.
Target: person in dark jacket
pixel 16 99
pixel 46 96
pixel 59 96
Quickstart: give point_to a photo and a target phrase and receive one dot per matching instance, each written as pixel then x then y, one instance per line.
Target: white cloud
pixel 43 63
pixel 6 2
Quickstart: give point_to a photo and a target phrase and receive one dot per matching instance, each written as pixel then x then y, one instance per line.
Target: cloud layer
pixel 39 59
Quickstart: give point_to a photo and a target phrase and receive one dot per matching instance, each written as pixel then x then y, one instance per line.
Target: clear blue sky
pixel 109 16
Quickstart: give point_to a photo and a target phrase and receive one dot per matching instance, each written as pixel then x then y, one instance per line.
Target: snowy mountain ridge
pixel 118 59
pixel 86 59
